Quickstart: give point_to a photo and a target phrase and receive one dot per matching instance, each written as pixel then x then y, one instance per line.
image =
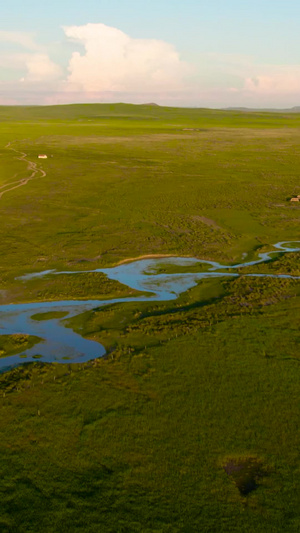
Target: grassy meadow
pixel 191 421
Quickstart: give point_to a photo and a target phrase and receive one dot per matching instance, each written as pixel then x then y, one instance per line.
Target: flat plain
pixel 191 421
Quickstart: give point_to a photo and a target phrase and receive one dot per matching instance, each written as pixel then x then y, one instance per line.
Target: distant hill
pixel 295 109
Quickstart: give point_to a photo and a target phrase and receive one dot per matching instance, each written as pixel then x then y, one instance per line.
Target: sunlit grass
pixel 139 440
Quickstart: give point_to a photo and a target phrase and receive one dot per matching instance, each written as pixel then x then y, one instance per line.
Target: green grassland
pixel 118 187
pixel 86 285
pixel 13 344
pixel 143 439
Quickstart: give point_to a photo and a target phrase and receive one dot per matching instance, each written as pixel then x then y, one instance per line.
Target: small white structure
pixel 42 156
pixel 296 199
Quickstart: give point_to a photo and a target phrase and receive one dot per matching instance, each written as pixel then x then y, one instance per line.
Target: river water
pixel 62 345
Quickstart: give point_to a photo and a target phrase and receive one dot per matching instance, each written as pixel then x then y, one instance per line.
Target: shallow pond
pixel 62 345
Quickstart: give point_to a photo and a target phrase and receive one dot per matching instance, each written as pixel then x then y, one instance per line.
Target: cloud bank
pixel 105 64
pixel 273 81
pixel 113 61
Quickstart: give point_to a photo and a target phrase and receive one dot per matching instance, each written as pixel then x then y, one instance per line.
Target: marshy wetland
pixel 160 279
pixel 190 421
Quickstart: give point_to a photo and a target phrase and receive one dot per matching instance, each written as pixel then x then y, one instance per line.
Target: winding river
pixel 62 345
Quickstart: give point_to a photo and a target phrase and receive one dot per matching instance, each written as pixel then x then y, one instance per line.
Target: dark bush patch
pixel 245 472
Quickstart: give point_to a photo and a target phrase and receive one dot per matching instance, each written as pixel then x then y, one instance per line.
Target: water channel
pixel 61 344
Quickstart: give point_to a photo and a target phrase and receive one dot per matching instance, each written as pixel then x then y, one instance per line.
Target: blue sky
pixel 217 53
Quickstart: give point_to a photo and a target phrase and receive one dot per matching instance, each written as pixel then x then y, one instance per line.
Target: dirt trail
pixel 31 166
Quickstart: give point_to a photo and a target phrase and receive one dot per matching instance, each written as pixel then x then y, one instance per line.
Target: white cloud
pixel 275 80
pixel 113 61
pixel 24 39
pixel 29 63
pixel 40 68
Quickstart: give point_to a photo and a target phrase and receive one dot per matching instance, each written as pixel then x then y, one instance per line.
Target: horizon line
pixel 153 104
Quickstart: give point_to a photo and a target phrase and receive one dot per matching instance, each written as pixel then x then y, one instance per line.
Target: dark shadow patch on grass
pixel 245 472
pixel 183 308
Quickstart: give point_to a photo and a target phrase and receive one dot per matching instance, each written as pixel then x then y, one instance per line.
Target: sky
pixel 191 53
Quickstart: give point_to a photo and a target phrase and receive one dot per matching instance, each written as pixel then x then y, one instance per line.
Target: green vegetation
pixel 89 285
pixel 282 264
pixel 13 344
pixel 166 268
pixel 117 187
pixel 190 423
pixel 245 472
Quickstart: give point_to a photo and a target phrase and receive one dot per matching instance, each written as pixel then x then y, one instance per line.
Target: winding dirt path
pixel 31 166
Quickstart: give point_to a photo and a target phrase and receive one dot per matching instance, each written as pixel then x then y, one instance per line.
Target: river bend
pixel 61 344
